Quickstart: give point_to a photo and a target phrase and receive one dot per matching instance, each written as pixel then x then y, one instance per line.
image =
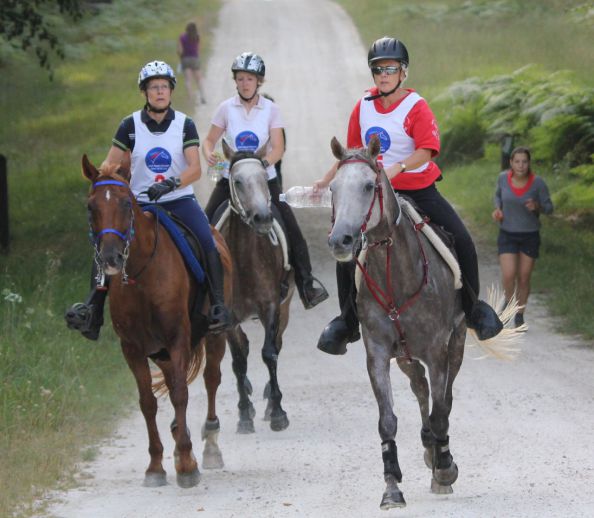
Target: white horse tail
pixel 506 345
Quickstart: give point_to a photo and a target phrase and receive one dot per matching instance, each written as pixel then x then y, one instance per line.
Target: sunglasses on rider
pixel 391 70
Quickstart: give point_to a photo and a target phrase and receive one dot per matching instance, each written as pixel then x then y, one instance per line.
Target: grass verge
pixel 59 392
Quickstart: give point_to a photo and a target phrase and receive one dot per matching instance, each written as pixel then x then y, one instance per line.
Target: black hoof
pixel 391 499
pixel 279 423
pixel 447 476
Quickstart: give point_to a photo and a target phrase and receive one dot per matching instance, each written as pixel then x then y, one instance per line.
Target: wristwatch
pixel 177 181
pixel 265 163
pixel 402 166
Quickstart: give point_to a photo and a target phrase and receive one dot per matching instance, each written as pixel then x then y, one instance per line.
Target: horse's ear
pixel 227 151
pixel 374 146
pixel 261 151
pixel 337 149
pixel 89 171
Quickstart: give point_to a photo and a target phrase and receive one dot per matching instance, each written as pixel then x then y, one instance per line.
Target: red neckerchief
pixel 520 191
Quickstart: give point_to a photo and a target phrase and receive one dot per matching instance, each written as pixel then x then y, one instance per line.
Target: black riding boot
pixel 479 315
pixel 343 329
pixel 87 317
pixel 310 295
pixel 219 316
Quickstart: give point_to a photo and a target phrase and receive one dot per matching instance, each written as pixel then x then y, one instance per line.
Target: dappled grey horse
pixel 408 306
pixel 262 287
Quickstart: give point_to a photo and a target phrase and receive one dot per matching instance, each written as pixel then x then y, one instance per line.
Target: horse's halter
pixel 235 201
pixel 385 298
pixel 378 193
pixel 127 236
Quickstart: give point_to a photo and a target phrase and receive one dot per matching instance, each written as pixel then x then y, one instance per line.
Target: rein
pixel 127 237
pixel 385 298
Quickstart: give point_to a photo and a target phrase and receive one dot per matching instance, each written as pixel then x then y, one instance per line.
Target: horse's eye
pixel 369 187
pixel 237 184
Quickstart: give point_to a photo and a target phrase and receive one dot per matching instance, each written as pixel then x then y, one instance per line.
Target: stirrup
pixel 311 295
pixel 219 318
pixel 80 318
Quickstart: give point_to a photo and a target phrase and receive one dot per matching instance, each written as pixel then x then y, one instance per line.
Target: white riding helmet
pixel 249 62
pixel 156 70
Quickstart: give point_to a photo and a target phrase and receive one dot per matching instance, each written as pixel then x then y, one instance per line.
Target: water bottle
pixel 304 196
pixel 215 172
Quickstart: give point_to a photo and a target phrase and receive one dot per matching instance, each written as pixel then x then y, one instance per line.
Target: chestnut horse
pixel 151 297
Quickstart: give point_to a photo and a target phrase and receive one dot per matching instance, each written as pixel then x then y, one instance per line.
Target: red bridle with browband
pixel 385 298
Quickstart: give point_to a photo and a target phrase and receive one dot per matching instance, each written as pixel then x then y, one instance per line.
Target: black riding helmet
pixel 387 48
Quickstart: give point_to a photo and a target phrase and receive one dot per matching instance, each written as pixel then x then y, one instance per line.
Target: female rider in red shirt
pixel 409 140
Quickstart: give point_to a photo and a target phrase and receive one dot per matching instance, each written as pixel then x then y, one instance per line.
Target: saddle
pixel 441 240
pixel 185 240
pixel 277 236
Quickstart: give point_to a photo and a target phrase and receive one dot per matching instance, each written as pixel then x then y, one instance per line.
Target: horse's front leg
pixel 215 350
pixel 272 345
pixel 240 349
pixel 442 372
pixel 175 372
pixel 418 383
pixel 378 367
pixel 155 474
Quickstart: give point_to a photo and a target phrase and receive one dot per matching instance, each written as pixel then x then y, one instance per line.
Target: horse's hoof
pixel 446 477
pixel 439 489
pixel 212 460
pixel 279 423
pixel 155 479
pixel 245 426
pixel 391 499
pixel 187 480
pixel 428 457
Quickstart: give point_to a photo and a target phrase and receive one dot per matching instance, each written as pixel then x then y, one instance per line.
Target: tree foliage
pixel 26 24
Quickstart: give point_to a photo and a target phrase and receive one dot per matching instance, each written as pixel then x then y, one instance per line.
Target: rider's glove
pixel 158 189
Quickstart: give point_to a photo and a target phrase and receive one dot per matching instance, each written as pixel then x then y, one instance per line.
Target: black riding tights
pixel 439 211
pixel 298 254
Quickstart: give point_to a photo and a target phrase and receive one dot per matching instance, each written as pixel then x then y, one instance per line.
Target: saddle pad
pixel 436 241
pixel 179 239
pixel 277 233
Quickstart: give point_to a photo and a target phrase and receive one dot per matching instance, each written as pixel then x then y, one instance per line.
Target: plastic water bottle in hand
pixel 215 172
pixel 304 196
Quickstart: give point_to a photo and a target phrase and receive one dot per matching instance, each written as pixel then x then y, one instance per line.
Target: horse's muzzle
pixel 261 222
pixel 343 246
pixel 112 259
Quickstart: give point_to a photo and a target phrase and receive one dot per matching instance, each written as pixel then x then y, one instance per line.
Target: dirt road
pixel 519 431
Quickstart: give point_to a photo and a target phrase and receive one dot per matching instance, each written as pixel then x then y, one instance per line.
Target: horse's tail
pixel 195 367
pixel 504 346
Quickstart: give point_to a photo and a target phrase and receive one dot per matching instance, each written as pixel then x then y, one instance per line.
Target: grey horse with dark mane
pixel 263 283
pixel 408 305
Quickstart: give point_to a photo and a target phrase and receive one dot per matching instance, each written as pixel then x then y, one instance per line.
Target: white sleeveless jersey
pixel 249 131
pixel 396 145
pixel 157 157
